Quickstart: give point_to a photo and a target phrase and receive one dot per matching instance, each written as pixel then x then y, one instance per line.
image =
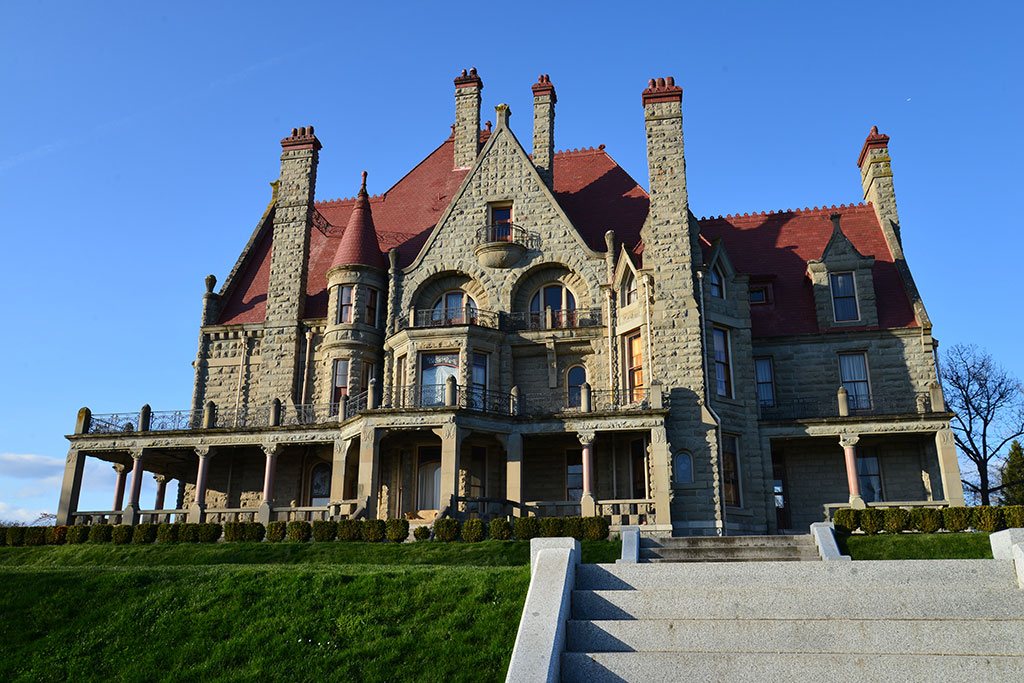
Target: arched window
pixel 454 308
pixel 682 468
pixel 717 283
pixel 560 300
pixel 320 484
pixel 574 380
pixel 629 293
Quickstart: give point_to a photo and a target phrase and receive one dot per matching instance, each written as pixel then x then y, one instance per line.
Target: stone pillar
pixel 338 469
pixel 514 470
pixel 71 487
pixel 271 451
pixel 876 176
pixel 544 100
pixel 588 506
pixel 949 467
pixel 161 491
pixel 849 444
pixel 369 469
pixel 660 469
pixel 286 290
pixel 121 472
pixel 131 511
pixel 451 450
pixel 197 511
pixel 467 118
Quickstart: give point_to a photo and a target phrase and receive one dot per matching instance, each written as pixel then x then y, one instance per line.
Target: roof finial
pixel 874 130
pixel 362 188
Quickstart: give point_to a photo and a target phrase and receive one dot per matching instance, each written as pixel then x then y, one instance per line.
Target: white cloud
pixel 10 513
pixel 29 465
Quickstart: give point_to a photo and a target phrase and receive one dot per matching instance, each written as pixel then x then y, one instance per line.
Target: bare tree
pixel 988 407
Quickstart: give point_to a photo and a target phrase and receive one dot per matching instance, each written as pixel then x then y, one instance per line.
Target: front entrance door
pixel 428 488
pixel 779 491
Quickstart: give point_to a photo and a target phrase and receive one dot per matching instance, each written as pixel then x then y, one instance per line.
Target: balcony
pixel 861 406
pixel 502 245
pixel 549 319
pixel 520 321
pixel 424 318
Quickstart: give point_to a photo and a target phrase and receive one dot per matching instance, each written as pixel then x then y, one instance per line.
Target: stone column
pixel 949 467
pixel 271 450
pixel 131 511
pixel 451 446
pixel 514 470
pixel 338 469
pixel 197 511
pixel 849 444
pixel 588 506
pixel 161 491
pixel 369 469
pixel 467 118
pixel 659 469
pixel 122 471
pixel 544 100
pixel 71 487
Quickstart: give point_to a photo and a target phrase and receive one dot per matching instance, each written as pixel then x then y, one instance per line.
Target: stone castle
pixel 504 334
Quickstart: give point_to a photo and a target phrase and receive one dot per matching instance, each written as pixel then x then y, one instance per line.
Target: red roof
pixel 597 195
pixel 776 247
pixel 358 245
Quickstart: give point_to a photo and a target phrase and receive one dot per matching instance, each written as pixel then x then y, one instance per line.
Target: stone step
pixel 943 575
pixel 730 554
pixel 839 636
pixel 803 541
pixel 672 666
pixel 819 602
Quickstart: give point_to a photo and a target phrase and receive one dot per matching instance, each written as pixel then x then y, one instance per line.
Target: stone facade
pixel 525 351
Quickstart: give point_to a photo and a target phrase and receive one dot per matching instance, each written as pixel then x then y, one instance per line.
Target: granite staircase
pixel 729 549
pixel 948 620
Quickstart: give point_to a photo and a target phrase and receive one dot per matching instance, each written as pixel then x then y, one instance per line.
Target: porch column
pixel 338 470
pixel 659 468
pixel 197 511
pixel 949 467
pixel 369 469
pixel 849 444
pixel 131 511
pixel 451 446
pixel 514 470
pixel 161 491
pixel 271 451
pixel 588 506
pixel 121 471
pixel 71 487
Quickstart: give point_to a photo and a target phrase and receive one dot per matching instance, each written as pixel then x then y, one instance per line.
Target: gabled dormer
pixel 844 288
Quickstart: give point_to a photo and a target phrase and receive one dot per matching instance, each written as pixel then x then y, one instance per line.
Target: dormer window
pixel 760 294
pixel 501 222
pixel 844 297
pixel 717 283
pixel 629 292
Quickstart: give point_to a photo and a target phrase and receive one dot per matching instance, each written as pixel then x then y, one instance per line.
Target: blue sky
pixel 137 143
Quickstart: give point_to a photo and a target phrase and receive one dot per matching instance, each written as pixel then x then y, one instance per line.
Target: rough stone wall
pixel 841 256
pixel 467 124
pixel 220 362
pixel 544 133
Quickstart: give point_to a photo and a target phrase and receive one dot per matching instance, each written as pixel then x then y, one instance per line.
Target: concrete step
pixel 839 636
pixel 731 554
pixel 944 575
pixel 802 541
pixel 670 666
pixel 818 602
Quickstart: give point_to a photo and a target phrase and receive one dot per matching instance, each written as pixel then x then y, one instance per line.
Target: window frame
pixel 579 387
pixel 865 457
pixel 855 297
pixel 312 474
pixel 716 279
pixel 336 395
pixel 568 474
pixel 504 232
pixel 372 304
pixel 767 289
pixel 633 370
pixel 441 313
pixel 630 290
pixel 676 482
pixel 345 309
pixel 770 382
pixel 729 384
pixel 738 471
pixel 866 380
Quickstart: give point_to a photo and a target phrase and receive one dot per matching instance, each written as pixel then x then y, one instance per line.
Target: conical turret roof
pixel 359 246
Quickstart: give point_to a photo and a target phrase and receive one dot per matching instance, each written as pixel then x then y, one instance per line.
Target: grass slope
pixel 249 611
pixel 958 546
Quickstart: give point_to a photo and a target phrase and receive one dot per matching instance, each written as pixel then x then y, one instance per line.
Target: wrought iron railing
pixel 505 232
pixel 524 320
pixel 578 317
pixel 356 404
pixel 602 400
pixel 485 401
pixel 519 321
pixel 809 409
pixel 112 423
pixel 448 317
pixel 175 420
pixel 310 414
pixel 242 417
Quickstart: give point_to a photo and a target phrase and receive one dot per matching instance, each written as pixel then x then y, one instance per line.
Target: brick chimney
pixel 286 292
pixel 876 177
pixel 544 100
pixel 467 117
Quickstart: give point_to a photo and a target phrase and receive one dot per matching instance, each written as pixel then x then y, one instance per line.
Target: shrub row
pixel 929 520
pixel 445 529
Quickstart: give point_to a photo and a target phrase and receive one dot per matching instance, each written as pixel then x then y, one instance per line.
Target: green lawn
pixel 261 611
pixel 948 546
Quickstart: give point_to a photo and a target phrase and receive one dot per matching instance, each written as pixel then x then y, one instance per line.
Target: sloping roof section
pixel 358 244
pixel 776 247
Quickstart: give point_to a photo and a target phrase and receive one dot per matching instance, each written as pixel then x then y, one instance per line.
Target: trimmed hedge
pixel 526 528
pixel 872 520
pixel 956 519
pixel 595 528
pixel 299 531
pixel 421 533
pixel 324 530
pixel 1013 515
pixel 895 520
pixel 373 530
pixel 144 533
pixel 846 520
pixel 349 530
pixel 397 530
pixel 100 533
pixel 573 527
pixel 121 534
pixel 56 535
pixel 167 533
pixel 15 535
pixel 276 531
pixel 35 535
pixel 926 520
pixel 232 531
pixel 473 531
pixel 446 529
pixel 986 518
pixel 550 527
pixel 77 534
pixel 500 529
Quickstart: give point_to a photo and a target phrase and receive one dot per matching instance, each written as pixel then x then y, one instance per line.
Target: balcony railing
pixel 551 320
pixel 174 420
pixel 858 406
pixel 448 317
pixel 505 232
pixel 243 417
pixel 601 400
pixel 485 401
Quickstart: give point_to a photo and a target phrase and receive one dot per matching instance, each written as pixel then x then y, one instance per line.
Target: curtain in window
pixel 575 379
pixel 320 485
pixel 853 369
pixel 436 369
pixel 844 297
pixel 765 385
pixel 730 471
pixel 869 476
